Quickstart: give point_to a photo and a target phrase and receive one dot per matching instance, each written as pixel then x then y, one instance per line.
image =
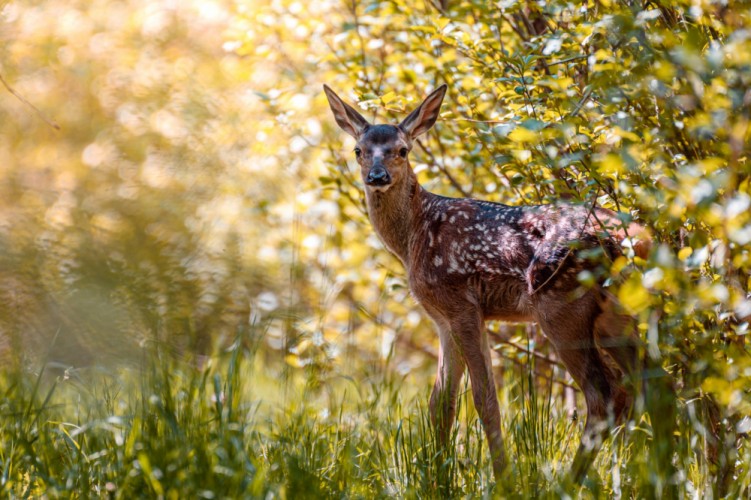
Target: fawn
pixel 469 261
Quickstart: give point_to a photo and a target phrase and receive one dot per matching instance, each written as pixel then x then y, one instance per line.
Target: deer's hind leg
pixel 570 328
pixel 615 332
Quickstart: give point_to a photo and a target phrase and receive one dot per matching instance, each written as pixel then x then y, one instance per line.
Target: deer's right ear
pixel 348 119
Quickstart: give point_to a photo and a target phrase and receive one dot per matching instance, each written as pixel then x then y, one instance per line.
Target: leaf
pixel 534 125
pixel 684 253
pixel 294 361
pixel 388 98
pixel 611 165
pixel 523 135
pixel 634 297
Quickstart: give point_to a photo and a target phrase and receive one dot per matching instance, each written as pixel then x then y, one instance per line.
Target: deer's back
pixel 499 255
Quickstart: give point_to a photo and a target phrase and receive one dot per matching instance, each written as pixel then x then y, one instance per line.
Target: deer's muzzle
pixel 378 176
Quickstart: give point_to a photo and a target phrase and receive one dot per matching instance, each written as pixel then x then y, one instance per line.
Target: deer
pixel 469 261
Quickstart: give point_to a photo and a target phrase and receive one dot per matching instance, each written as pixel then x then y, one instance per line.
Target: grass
pixel 232 428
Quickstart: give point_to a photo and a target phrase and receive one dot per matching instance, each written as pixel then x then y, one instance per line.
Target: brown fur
pixel 469 261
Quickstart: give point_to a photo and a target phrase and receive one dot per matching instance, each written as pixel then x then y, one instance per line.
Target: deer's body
pixel 444 240
pixel 469 261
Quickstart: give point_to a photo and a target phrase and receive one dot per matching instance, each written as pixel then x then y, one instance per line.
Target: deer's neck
pixel 393 214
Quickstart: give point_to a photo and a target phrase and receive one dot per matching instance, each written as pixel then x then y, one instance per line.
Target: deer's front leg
pixel 470 336
pixel 447 383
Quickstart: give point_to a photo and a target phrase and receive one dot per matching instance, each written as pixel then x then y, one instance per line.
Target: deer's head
pixel 382 150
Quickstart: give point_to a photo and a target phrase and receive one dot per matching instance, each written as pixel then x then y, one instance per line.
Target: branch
pixel 21 98
pixel 408 342
pixel 584 99
pixel 499 337
pixel 442 168
pixel 538 373
pixel 570 59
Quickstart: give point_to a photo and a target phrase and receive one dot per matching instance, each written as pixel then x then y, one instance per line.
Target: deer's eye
pixel 358 152
pixel 403 152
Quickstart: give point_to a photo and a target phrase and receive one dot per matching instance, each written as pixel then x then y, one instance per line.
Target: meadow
pixel 235 426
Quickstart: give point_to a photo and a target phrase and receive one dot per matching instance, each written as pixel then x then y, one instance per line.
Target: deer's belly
pixel 505 299
pixel 502 297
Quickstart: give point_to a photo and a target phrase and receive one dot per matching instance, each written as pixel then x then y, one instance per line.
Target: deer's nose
pixel 378 176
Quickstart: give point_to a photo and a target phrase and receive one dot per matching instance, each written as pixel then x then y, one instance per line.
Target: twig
pixel 439 7
pixel 582 101
pixel 538 373
pixel 21 98
pixel 515 28
pixel 442 168
pixel 413 345
pixel 570 59
pixel 363 57
pixel 497 336
pixel 490 122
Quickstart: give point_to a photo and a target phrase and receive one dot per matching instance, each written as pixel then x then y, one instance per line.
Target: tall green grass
pixel 229 427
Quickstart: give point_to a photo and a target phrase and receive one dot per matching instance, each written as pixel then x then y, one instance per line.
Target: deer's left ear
pixel 420 120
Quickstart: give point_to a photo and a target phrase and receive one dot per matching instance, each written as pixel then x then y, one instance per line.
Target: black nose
pixel 378 177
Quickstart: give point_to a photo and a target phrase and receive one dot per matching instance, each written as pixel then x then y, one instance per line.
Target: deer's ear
pixel 348 119
pixel 420 120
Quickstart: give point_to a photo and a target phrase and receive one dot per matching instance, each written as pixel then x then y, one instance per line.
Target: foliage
pixel 642 108
pixel 197 188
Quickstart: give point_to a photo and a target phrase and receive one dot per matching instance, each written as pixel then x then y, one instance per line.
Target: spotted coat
pixel 514 251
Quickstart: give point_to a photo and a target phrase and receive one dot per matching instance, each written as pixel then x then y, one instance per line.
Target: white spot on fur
pixel 454 265
pixel 437 261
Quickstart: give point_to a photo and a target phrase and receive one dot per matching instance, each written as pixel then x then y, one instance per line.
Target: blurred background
pixel 161 183
pixel 170 174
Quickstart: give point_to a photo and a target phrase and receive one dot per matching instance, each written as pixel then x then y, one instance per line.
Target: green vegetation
pixel 193 304
pixel 170 428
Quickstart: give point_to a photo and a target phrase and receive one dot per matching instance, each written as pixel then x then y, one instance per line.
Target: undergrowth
pixel 232 427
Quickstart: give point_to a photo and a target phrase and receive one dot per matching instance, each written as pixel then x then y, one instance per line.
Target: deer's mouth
pixel 379 189
pixel 378 184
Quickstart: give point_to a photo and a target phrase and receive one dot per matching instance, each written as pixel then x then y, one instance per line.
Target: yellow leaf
pixel 388 97
pixel 633 296
pixel 685 252
pixel 443 22
pixel 627 135
pixel 611 164
pixel 293 360
pixel 521 134
pixel 618 265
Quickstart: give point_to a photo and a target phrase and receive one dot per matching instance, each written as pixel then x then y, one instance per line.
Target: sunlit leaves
pixel 642 108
